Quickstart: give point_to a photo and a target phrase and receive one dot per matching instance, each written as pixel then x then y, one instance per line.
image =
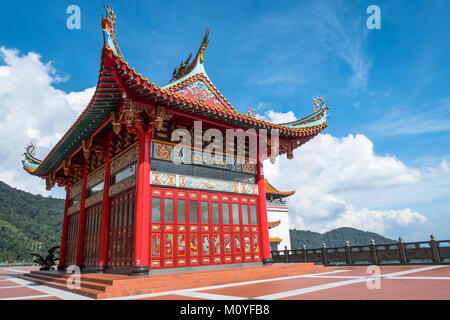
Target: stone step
pixel 63 281
pixel 90 293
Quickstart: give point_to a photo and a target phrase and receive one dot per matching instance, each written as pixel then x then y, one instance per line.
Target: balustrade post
pixel 401 248
pixel 324 254
pixel 373 250
pixel 434 250
pixel 348 253
pixel 304 253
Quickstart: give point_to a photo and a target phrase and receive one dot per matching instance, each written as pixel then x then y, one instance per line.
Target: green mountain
pixel 334 238
pixel 27 218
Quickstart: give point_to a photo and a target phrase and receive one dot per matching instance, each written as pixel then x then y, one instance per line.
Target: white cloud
pixel 433 117
pixel 342 182
pixel 32 110
pixel 344 37
pixel 277 117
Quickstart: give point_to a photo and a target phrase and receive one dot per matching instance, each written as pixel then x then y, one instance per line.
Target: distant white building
pixel 278 217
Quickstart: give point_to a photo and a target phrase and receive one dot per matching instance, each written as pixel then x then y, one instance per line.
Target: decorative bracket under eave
pixel 132 111
pixel 50 181
pixel 87 146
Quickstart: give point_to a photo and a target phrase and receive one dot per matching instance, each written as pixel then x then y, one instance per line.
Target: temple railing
pixel 276 202
pixel 400 253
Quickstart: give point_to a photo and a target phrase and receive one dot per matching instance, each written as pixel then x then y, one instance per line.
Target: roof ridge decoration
pixel 188 67
pixel 250 112
pixel 318 117
pixel 109 30
pixel 31 163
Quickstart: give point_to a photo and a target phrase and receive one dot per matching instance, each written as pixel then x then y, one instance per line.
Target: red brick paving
pixel 264 288
pixel 439 272
pixel 103 286
pixel 171 297
pixel 44 298
pixel 7 284
pixel 390 290
pixel 361 271
pixel 19 292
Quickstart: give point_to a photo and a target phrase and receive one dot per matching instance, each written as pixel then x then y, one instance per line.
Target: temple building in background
pixel 278 218
pixel 130 207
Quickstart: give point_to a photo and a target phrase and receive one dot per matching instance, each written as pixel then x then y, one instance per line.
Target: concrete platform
pixel 420 282
pixel 103 286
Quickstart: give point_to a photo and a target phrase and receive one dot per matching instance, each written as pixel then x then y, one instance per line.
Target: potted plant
pixel 47 262
pixel 11 259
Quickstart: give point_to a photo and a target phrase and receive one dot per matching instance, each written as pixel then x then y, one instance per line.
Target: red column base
pixel 140 271
pixel 100 269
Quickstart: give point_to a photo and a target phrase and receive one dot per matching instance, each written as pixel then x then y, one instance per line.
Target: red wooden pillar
pixel 141 263
pixel 62 250
pixel 263 224
pixel 104 225
pixel 82 219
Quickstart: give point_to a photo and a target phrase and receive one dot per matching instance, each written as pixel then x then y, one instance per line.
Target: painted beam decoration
pixel 164 151
pixel 127 158
pixel 75 190
pixel 189 182
pixel 122 185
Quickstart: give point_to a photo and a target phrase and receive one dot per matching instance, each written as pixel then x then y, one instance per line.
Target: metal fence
pixel 400 253
pixel 16 263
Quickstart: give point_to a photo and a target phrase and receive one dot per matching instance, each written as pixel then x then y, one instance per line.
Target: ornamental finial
pixel 203 46
pixel 109 30
pixel 319 103
pixel 31 163
pixel 250 112
pixel 187 66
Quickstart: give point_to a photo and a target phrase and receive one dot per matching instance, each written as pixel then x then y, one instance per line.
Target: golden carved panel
pixel 124 159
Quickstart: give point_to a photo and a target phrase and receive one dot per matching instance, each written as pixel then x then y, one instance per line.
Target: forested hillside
pixel 334 238
pixel 27 218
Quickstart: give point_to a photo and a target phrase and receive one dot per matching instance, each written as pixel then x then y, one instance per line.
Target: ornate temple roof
pixel 275 239
pixel 190 92
pixel 273 224
pixel 271 191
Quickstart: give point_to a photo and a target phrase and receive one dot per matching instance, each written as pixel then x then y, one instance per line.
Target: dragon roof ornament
pixel 250 112
pixel 318 117
pixel 31 162
pixel 109 30
pixel 186 67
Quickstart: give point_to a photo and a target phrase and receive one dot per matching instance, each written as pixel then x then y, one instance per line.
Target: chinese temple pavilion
pixel 278 218
pixel 129 207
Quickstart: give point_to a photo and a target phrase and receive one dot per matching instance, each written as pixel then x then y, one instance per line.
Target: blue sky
pixel 389 85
